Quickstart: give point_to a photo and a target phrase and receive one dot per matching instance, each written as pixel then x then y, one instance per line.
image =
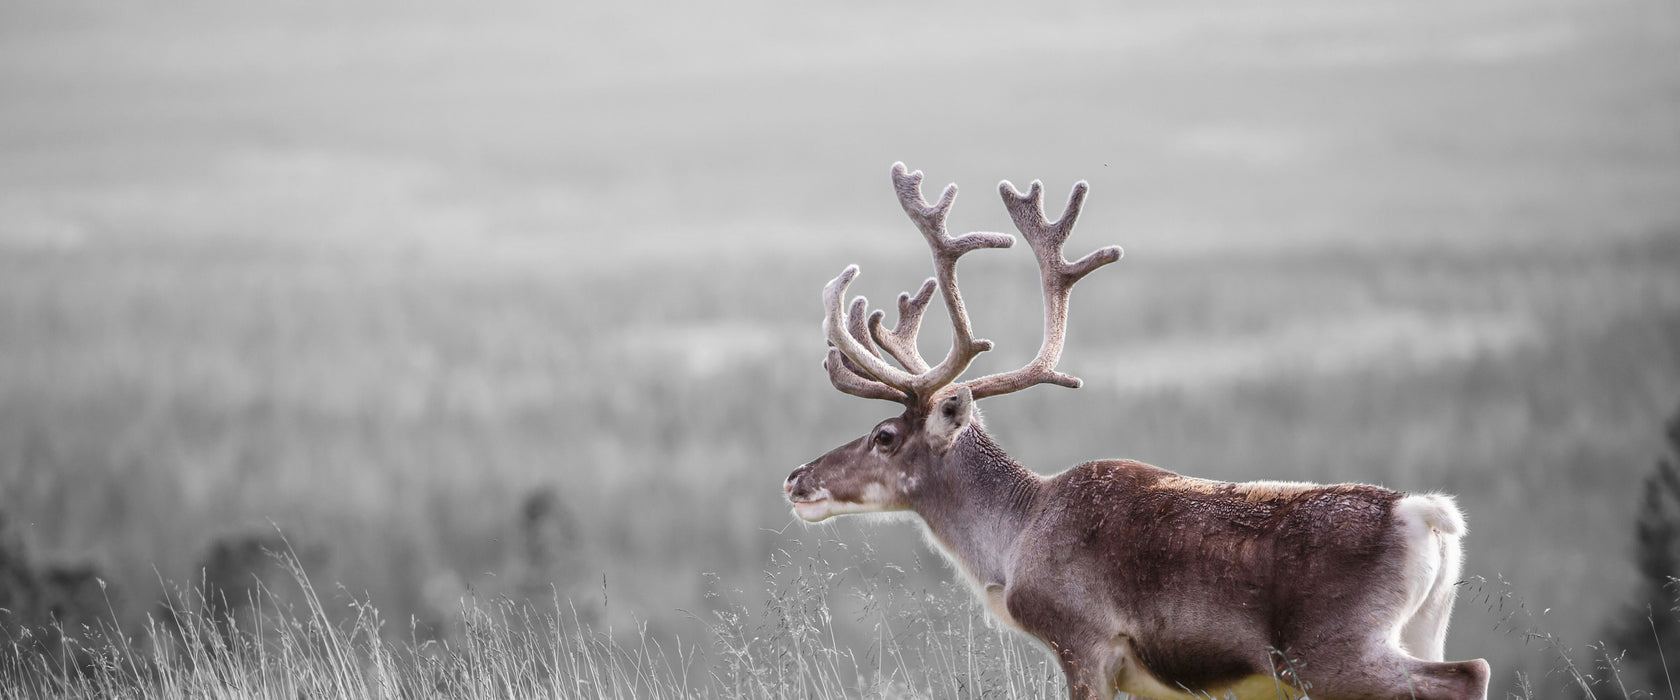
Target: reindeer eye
pixel 884 437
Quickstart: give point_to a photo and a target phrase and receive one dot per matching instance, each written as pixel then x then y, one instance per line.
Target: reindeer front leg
pixel 1088 675
pixel 1087 655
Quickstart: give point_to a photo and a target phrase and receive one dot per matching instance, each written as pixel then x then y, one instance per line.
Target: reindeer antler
pixel 856 367
pixel 1057 277
pixel 846 375
pixel 900 342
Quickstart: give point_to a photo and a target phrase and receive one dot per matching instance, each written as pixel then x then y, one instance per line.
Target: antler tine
pixel 1056 275
pixel 946 249
pixel 847 380
pixel 900 342
pixel 852 348
pixel 930 219
pixel 855 326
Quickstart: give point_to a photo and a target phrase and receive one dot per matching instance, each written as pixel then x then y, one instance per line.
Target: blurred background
pixel 494 299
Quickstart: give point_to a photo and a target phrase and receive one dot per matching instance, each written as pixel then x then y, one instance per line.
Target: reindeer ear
pixel 949 417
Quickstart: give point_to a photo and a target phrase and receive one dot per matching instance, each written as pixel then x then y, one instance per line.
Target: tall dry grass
pixel 918 643
pixel 923 643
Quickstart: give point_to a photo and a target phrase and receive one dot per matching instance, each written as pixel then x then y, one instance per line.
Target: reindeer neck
pixel 976 503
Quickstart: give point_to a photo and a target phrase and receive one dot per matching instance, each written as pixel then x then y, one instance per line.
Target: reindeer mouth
pixel 812 507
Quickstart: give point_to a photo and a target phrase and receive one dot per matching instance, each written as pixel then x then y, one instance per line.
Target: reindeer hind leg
pixel 1385 673
pixel 1458 680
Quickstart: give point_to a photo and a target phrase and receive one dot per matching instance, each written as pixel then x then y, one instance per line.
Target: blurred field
pixel 373 274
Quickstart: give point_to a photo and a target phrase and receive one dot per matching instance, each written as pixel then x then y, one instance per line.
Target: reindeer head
pixel 883 469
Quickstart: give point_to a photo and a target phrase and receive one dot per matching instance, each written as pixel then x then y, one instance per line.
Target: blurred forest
pixel 461 299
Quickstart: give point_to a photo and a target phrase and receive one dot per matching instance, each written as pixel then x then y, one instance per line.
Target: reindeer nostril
pixel 796 487
pixel 792 479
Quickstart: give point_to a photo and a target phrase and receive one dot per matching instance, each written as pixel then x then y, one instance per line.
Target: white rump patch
pixel 1437 510
pixel 1431 525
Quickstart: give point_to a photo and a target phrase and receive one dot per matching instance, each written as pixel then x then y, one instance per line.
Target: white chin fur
pixel 817 509
pixel 812 511
pixel 822 506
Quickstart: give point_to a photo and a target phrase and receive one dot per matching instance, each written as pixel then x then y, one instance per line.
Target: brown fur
pixel 1188 559
pixel 1127 571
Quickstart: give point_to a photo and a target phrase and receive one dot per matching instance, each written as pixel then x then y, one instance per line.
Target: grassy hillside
pixel 402 430
pixel 375 275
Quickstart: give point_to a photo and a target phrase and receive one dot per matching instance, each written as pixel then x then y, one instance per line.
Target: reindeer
pixel 1137 579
